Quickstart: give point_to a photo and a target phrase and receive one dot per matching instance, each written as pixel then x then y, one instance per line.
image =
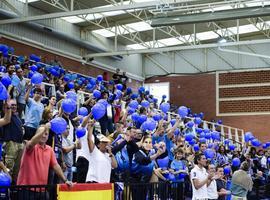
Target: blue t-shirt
pixel 177 165
pixel 157 139
pixel 33 113
pixel 169 144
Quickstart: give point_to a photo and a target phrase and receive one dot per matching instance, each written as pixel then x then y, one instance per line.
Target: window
pixel 158 90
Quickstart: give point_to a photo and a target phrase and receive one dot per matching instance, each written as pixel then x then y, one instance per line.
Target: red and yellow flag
pixel 94 191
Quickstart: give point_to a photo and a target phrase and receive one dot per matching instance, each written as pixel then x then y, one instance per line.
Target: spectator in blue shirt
pixel 33 112
pixel 164 134
pixel 178 166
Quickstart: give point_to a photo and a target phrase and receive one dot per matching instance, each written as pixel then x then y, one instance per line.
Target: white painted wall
pixel 207 60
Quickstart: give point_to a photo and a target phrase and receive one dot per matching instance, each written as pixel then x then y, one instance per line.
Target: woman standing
pixel 143 166
pixel 241 182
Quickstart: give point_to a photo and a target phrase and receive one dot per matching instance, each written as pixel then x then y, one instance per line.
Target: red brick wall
pixel 69 64
pixel 199 93
pixel 194 91
pixel 244 77
pixel 244 91
pixel 244 106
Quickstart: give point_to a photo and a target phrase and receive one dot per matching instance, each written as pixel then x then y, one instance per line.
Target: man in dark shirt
pixel 13 137
pixel 60 93
pixel 117 76
pixel 130 142
pixel 221 184
pixel 124 80
pixel 106 122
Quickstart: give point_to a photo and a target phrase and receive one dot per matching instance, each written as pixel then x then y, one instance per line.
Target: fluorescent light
pixel 141 1
pixel 130 28
pixel 29 1
pixel 73 19
pixel 103 14
pixel 140 26
pixel 170 41
pixel 260 3
pixel 104 32
pixel 218 8
pixel 93 16
pixel 136 46
pixel 249 28
pixel 222 41
pixel 114 13
pixel 208 35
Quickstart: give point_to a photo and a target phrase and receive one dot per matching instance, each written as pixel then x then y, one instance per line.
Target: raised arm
pixel 86 119
pixel 40 131
pixel 171 131
pixel 160 151
pixel 159 128
pixel 6 119
pixel 28 93
pixel 90 128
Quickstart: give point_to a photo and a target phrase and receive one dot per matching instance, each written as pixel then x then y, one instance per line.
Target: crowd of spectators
pixel 128 143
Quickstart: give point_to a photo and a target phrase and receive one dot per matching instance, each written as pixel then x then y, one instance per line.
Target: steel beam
pixel 150 4
pixel 261 25
pixel 227 33
pixel 119 30
pixel 15 10
pixel 211 16
pixel 168 30
pixel 244 53
pixel 176 48
pixel 57 4
pixel 222 31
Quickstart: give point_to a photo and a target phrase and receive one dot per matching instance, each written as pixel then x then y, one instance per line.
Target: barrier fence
pixel 117 191
pixel 28 192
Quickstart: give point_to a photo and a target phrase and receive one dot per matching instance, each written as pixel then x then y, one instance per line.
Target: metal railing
pixel 124 191
pixel 153 191
pixel 28 192
pixel 235 135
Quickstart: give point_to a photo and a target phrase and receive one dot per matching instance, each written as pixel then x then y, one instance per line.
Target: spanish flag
pixel 96 191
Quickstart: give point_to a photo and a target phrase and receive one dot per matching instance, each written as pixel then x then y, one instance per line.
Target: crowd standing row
pixel 115 135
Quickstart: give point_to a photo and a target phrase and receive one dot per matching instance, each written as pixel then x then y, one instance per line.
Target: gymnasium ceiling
pixel 128 22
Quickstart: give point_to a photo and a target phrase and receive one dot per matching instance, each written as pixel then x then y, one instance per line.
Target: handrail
pixel 213 125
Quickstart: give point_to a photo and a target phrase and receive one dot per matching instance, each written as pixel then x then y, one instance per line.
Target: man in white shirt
pixel 101 159
pixel 200 178
pixel 212 187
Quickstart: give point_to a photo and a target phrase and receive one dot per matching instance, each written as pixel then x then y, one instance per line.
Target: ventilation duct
pixel 171 18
